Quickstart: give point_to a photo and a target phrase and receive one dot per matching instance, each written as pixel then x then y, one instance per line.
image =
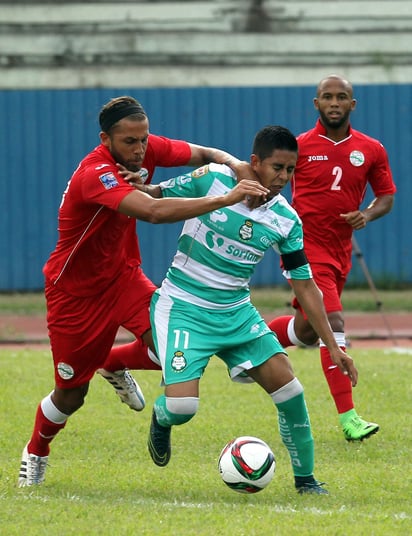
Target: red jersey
pixel 330 179
pixel 95 241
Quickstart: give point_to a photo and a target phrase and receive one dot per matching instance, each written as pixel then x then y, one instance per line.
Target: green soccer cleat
pixel 357 429
pixel 159 442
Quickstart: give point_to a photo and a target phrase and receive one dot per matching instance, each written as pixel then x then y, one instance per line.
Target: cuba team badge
pixel 357 158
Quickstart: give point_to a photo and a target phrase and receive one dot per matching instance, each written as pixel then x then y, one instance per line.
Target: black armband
pixel 294 260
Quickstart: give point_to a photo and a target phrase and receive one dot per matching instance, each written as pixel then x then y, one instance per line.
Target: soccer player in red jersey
pixel 93 279
pixel 335 165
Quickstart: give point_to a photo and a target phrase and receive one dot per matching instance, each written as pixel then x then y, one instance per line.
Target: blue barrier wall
pixel 46 132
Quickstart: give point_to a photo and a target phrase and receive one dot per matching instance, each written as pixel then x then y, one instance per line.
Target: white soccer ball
pixel 246 464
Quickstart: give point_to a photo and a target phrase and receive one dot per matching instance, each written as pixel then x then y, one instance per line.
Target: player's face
pixel 128 142
pixel 275 171
pixel 334 103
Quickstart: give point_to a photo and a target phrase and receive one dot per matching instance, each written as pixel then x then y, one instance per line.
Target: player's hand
pixel 244 171
pixel 245 189
pixel 132 177
pixel 356 219
pixel 345 364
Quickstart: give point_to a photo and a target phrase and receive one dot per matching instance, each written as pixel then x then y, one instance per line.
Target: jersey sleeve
pixel 168 152
pixel 194 184
pixel 380 176
pixel 104 186
pixel 292 253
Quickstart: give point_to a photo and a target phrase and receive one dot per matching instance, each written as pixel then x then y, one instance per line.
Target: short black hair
pixel 273 137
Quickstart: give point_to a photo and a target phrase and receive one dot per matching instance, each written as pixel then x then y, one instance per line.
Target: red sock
pixel 133 356
pixel 43 434
pixel 339 385
pixel 280 326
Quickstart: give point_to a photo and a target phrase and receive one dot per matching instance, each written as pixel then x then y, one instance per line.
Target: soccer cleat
pixel 126 388
pixel 314 488
pixel 32 469
pixel 356 429
pixel 159 442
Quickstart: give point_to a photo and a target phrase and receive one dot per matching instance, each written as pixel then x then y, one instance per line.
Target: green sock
pixel 296 434
pixel 165 417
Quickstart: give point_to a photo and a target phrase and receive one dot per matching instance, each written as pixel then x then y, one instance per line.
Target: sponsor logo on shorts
pixel 108 180
pixel 178 361
pixel 259 329
pixel 65 371
pixel 357 158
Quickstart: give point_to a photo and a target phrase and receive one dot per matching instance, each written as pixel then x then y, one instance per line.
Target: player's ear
pixel 104 138
pixel 353 106
pixel 316 103
pixel 254 161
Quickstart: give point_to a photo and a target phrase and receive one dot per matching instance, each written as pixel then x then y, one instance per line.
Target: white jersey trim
pixel 175 292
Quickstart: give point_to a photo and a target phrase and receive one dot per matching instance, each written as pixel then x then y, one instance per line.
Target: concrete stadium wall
pixel 193 43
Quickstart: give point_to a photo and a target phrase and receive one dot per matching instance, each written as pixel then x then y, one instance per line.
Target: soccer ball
pixel 246 464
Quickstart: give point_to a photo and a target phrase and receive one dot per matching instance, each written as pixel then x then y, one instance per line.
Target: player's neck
pixel 337 134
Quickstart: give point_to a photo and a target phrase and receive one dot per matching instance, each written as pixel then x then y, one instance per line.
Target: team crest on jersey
pixel 178 361
pixel 199 172
pixel 357 158
pixel 144 174
pixel 246 230
pixel 108 180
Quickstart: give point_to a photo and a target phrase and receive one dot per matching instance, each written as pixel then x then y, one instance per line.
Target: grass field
pixel 101 480
pixel 266 300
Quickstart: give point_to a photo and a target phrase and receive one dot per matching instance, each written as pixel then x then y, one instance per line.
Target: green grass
pixel 266 299
pixel 101 480
pixel 277 299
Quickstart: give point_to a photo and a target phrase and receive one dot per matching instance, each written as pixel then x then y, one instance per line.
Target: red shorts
pixel 331 282
pixel 82 330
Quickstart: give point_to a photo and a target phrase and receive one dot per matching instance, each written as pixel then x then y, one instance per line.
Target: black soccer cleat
pixel 159 442
pixel 315 488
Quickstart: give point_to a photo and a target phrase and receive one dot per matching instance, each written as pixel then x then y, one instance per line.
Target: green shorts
pixel 187 336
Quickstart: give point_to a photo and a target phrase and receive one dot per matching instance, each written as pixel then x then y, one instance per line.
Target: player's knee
pixel 301 334
pixel 182 409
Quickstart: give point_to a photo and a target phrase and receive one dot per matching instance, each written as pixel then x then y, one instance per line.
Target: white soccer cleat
pixel 126 387
pixel 32 469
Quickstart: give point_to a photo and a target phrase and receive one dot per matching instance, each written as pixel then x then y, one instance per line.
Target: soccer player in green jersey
pixel 203 306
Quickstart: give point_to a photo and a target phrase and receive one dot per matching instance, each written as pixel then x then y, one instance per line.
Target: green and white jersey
pixel 218 252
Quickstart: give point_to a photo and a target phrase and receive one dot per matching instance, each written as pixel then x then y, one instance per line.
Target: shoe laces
pixel 130 384
pixel 356 422
pixel 124 381
pixel 313 487
pixel 36 467
pixel 161 434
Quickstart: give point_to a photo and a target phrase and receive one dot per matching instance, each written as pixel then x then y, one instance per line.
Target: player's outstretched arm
pixel 310 297
pixel 142 206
